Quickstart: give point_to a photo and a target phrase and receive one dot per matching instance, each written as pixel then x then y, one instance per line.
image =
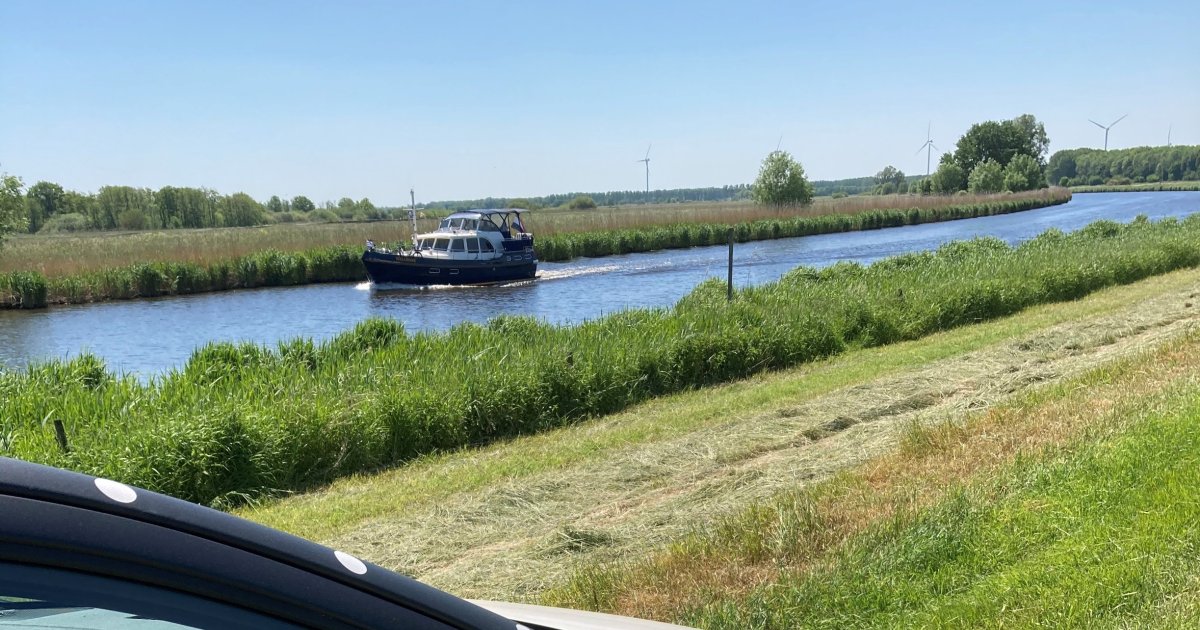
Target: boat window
pixel 442 244
pixel 471 224
pixel 485 225
pixel 457 245
pixel 485 245
pixel 445 224
pixel 473 245
pixel 425 244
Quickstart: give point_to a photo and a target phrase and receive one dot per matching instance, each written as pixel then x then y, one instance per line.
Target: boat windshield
pixel 459 224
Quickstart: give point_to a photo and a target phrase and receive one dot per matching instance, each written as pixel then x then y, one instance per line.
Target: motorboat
pixel 472 247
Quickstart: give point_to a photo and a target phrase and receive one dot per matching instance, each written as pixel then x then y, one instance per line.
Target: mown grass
pixel 985 523
pixel 242 420
pixel 73 269
pixel 1101 537
pixel 1159 186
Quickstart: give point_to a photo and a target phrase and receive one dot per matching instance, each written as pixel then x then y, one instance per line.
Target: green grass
pixel 219 260
pixel 1103 536
pixel 241 420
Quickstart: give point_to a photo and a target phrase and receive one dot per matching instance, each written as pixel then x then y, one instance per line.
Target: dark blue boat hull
pixel 388 268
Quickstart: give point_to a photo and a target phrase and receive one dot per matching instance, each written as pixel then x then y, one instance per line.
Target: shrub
pixel 69 222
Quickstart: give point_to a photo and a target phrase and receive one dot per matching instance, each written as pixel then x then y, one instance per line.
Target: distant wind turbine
pixel 1169 136
pixel 647 161
pixel 1110 126
pixel 928 147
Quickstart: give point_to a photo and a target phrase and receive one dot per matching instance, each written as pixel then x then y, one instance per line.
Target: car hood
pixel 567 619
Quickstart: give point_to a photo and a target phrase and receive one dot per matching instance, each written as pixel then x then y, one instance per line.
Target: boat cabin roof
pixel 476 214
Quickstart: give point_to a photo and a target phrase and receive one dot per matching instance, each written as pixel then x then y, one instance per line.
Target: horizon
pixel 473 101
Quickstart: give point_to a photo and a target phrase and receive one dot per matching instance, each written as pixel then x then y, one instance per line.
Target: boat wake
pixel 559 274
pixel 397 286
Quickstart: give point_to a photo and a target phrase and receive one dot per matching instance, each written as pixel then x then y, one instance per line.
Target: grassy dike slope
pixel 514 520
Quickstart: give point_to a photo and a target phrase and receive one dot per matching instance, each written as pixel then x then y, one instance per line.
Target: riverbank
pixel 185 270
pixel 1155 187
pixel 240 421
pixel 707 496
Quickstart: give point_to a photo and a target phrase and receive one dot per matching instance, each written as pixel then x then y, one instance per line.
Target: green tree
pixel 112 201
pixel 1023 173
pixel 988 177
pixel 1000 141
pixel 781 181
pixel 950 177
pixel 12 205
pixel 300 203
pixel 890 175
pixel 275 204
pixel 367 210
pixel 42 201
pixel 185 207
pixel 240 209
pixel 1032 134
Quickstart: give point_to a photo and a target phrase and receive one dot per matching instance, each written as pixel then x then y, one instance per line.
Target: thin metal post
pixel 729 291
pixel 412 215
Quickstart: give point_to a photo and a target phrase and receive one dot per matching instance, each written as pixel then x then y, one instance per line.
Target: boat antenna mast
pixel 412 214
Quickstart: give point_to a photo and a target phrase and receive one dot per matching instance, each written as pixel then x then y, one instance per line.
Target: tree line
pixel 47 206
pixel 1094 167
pixel 611 198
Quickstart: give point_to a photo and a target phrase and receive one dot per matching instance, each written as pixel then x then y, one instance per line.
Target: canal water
pixel 152 336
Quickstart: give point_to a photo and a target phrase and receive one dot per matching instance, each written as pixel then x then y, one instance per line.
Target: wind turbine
pixel 647 161
pixel 1110 126
pixel 928 147
pixel 1169 136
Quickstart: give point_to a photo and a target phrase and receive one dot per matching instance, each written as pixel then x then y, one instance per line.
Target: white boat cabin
pixel 472 236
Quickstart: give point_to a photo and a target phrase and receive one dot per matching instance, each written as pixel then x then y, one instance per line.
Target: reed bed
pixel 555 221
pixel 59 255
pixel 859 215
pixel 30 289
pixel 1148 187
pixel 56 255
pixel 240 421
pixel 275 267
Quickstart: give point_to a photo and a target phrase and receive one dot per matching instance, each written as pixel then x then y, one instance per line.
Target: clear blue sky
pixel 469 99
